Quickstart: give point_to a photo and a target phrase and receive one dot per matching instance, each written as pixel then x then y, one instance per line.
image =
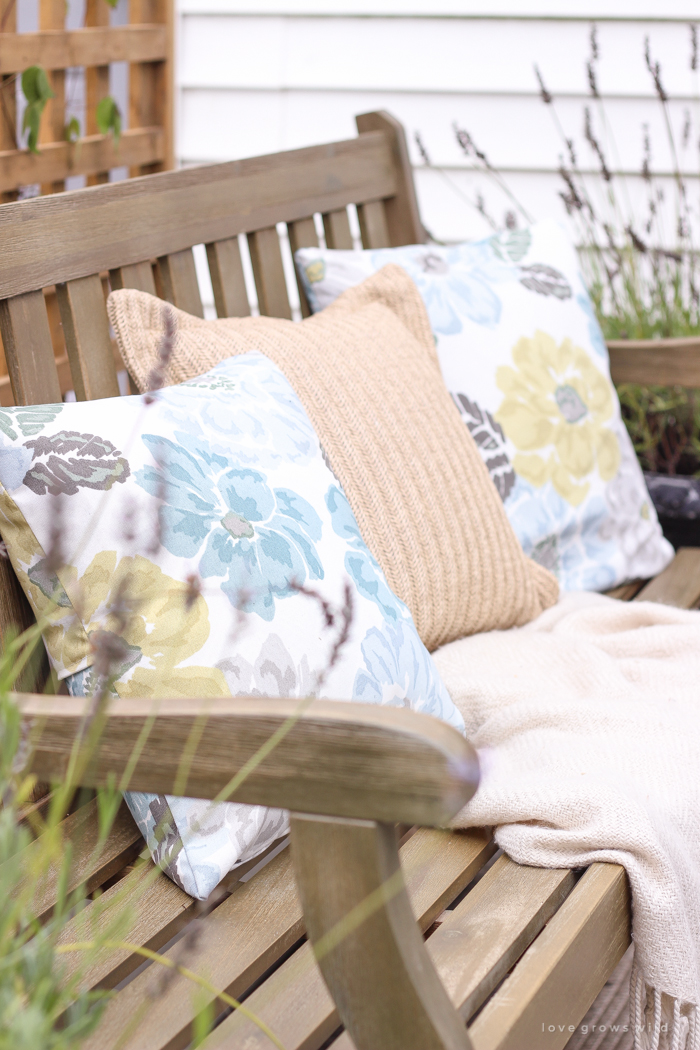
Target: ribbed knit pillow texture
pixel 523 357
pixel 366 371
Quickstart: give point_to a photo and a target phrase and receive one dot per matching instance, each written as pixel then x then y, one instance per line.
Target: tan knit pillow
pixel 366 371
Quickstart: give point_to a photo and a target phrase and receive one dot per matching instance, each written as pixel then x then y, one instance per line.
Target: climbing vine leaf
pixel 109 118
pixel 37 91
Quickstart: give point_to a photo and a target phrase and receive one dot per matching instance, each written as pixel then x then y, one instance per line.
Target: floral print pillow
pixel 525 361
pixel 190 523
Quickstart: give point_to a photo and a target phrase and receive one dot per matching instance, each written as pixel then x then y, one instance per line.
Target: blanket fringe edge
pixel 675 1027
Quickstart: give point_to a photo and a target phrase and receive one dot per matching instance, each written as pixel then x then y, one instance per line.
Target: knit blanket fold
pixel 587 721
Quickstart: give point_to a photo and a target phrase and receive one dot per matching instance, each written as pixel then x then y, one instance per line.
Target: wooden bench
pixel 517 950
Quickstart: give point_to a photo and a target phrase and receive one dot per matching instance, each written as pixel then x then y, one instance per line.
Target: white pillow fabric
pixel 524 359
pixel 220 480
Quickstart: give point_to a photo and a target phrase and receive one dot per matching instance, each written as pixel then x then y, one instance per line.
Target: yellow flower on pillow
pixel 557 401
pixel 159 627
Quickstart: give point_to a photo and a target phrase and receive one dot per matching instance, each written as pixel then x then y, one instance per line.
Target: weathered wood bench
pixel 518 951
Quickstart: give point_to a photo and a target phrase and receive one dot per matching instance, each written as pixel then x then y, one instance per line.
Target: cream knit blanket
pixel 588 725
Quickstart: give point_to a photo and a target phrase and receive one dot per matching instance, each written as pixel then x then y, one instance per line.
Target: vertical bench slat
pixel 402 214
pixel 86 331
pixel 266 257
pixel 373 228
pixel 302 234
pixel 28 349
pixel 179 277
pixel 227 280
pixel 16 615
pixel 137 275
pixel 336 226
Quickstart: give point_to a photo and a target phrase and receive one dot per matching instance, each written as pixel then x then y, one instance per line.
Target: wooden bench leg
pixel 367 944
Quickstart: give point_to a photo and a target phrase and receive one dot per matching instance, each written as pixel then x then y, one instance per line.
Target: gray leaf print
pixel 545 280
pixel 490 440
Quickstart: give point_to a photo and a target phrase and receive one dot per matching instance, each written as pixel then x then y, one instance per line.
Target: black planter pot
pixel 677 502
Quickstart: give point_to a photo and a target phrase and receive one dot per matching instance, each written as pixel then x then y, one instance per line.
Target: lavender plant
pixel 643 278
pixel 43 1004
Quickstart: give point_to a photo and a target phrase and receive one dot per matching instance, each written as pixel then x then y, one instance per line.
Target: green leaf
pixel 35 86
pixel 32 119
pixel 109 118
pixel 37 91
pixel 71 132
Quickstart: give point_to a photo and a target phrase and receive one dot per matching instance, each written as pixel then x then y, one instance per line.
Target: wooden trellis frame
pixel 146 146
pixel 146 43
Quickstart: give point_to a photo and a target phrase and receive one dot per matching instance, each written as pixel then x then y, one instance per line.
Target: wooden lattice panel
pixel 145 146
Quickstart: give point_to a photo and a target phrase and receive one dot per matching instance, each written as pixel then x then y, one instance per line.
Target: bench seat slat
pixel 678 584
pixel 161 909
pixel 294 1001
pixel 239 941
pixel 81 828
pixel 564 969
pixel 490 929
pixel 228 282
pixel 626 591
pixel 561 972
pixel 86 331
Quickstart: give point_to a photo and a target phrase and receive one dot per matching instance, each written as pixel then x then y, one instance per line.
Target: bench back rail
pixel 141 233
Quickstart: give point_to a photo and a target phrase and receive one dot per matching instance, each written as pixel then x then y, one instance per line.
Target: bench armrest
pixel 331 758
pixel 348 772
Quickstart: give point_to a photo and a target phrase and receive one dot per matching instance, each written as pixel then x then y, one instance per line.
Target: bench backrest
pixel 141 233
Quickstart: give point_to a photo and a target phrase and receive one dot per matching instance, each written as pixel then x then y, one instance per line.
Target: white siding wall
pixel 265 75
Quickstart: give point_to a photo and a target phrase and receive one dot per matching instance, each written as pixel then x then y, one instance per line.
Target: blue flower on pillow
pixel 258 538
pixel 399 672
pixel 594 331
pixel 360 564
pixel 565 542
pixel 454 282
pixel 247 400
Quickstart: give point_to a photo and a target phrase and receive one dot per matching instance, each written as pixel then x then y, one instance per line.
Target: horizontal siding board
pixel 510 9
pixel 516 132
pixel 427 55
pixel 282 74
